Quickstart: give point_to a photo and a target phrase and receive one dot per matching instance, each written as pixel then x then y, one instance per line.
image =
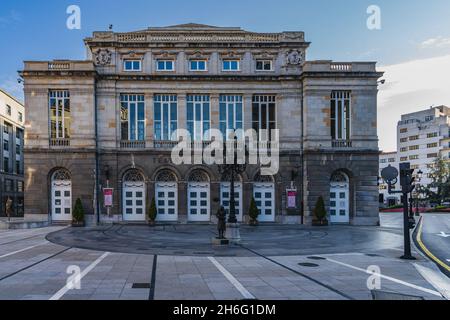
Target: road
pixel 433 238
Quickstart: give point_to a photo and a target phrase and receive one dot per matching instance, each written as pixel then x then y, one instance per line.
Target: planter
pixel 78 224
pixel 253 223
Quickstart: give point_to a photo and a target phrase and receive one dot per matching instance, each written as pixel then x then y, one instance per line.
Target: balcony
pixel 59 143
pixel 164 144
pixel 342 144
pixel 132 144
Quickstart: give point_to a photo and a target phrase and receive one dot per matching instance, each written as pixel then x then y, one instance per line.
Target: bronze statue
pixel 221 225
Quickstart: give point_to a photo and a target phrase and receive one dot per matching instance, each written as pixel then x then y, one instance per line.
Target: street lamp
pixel 229 171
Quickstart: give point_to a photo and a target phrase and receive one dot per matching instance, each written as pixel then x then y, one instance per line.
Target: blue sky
pixel 412 30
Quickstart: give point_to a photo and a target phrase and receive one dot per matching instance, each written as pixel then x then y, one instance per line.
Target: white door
pixel 62 201
pixel 134 202
pixel 167 201
pixel 225 194
pixel 198 202
pixel 264 194
pixel 339 203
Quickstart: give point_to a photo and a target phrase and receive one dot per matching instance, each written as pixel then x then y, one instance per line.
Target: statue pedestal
pixel 220 242
pixel 233 234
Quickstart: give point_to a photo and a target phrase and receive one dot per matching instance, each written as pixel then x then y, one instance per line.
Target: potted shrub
pixel 320 214
pixel 78 214
pixel 253 213
pixel 152 212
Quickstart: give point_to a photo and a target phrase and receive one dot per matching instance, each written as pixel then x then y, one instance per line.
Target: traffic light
pixel 407 180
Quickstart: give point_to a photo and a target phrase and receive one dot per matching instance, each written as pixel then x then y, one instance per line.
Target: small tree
pixel 78 212
pixel 319 211
pixel 152 212
pixel 253 212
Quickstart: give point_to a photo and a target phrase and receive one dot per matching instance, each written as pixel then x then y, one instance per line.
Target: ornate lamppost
pixel 230 171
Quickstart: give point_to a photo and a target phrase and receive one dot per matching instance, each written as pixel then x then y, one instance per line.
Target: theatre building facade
pixel 101 129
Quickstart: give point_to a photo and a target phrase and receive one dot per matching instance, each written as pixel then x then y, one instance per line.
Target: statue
pixel 8 208
pixel 221 225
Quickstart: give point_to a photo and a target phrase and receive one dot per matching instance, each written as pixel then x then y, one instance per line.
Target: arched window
pixel 166 176
pixel 198 176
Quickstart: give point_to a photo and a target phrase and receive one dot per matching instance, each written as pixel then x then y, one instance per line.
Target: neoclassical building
pixel 107 122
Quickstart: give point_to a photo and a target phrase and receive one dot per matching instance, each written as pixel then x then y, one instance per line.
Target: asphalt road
pixel 433 238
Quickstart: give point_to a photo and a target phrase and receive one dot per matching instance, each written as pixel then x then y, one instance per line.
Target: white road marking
pixel 437 280
pixel 22 250
pixel 407 284
pixel 444 235
pixel 233 280
pixel 65 289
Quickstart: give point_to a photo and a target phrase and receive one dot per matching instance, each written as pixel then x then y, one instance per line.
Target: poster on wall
pixel 108 197
pixel 292 199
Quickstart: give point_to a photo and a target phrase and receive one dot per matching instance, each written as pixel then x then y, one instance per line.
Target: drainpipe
pixel 302 159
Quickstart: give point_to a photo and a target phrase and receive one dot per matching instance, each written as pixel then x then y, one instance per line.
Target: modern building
pixel 424 137
pixel 107 121
pixel 12 121
pixel 389 159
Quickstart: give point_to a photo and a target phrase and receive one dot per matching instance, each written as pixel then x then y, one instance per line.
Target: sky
pixel 412 46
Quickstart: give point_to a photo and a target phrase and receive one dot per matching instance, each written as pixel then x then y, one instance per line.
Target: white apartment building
pixel 423 137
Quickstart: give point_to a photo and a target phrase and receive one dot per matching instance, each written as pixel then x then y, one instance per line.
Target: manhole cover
pixel 316 258
pixel 141 286
pixel 308 265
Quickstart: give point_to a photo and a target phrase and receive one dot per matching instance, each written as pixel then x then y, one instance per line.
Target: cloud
pixel 438 42
pixel 410 86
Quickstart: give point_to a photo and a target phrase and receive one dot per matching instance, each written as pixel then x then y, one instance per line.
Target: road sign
pixel 108 197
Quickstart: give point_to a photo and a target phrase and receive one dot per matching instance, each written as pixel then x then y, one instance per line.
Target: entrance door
pixel 225 195
pixel 134 202
pixel 166 201
pixel 264 194
pixel 198 202
pixel 339 199
pixel 62 201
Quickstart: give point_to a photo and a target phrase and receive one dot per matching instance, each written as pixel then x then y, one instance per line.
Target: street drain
pixel 317 258
pixel 141 286
pixel 308 265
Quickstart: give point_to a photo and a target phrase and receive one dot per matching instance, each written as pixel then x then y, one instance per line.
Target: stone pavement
pixel 32 268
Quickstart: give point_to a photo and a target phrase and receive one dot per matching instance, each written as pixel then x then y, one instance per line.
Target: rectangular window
pixel 20 117
pixel 166 116
pixel 403 149
pixel 6 164
pixel 198 116
pixel 432 155
pixel 340 115
pixel 264 115
pixel 19 167
pixel 165 65
pixel 230 114
pixel 402 159
pixel 9 185
pixel 414 157
pixel 198 65
pixel 263 65
pixel 8 110
pixel 132 117
pixel 60 114
pixel 432 135
pixel 411 148
pixel 403 140
pixel 432 145
pixel 231 65
pixel 404 130
pixel 20 186
pixel 383 161
pixel 391 160
pixel 429 118
pixel 413 138
pixel 132 65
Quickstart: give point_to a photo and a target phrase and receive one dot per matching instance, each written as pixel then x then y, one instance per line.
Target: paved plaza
pixel 179 262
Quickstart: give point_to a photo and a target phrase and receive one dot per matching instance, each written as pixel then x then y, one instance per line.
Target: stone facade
pixel 95 150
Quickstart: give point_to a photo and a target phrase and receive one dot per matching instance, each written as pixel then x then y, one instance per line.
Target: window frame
pixel 231 60
pixel 130 100
pixel 202 100
pixel 60 95
pixel 263 62
pixel 132 65
pixel 165 61
pixel 231 100
pixel 197 63
pixel 163 100
pixel 341 104
pixel 260 101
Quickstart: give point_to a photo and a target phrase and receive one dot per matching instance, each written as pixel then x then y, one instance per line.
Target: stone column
pixel 215 108
pixel 149 117
pixel 247 108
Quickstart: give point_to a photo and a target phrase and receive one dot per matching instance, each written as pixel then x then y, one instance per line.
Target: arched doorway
pixel 166 195
pixel 264 194
pixel 340 198
pixel 134 202
pixel 61 206
pixel 199 206
pixel 225 196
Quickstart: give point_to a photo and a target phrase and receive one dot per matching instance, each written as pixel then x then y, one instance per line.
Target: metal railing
pixel 342 144
pixel 59 142
pixel 132 144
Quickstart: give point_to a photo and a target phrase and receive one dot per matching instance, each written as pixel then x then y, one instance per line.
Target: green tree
pixel 152 212
pixel 439 189
pixel 78 211
pixel 319 211
pixel 253 212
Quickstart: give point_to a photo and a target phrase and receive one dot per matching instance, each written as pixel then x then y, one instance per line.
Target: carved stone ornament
pixel 198 176
pixel 165 54
pixel 294 36
pixel 103 57
pixel 166 176
pixel 294 58
pixel 198 55
pixel 231 54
